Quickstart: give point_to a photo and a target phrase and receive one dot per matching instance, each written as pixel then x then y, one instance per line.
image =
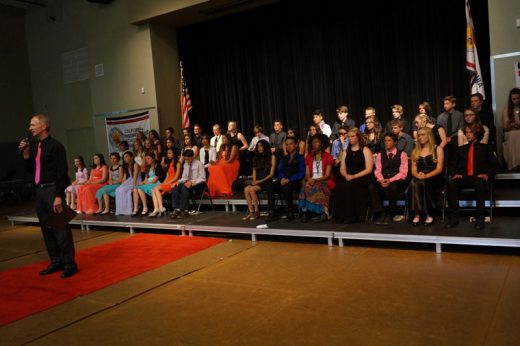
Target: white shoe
pixel 398 218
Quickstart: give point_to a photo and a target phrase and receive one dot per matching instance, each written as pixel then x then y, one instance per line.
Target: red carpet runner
pixel 23 292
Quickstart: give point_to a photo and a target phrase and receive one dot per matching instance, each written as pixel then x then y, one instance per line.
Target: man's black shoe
pixel 175 213
pixel 452 223
pixel 290 217
pixel 271 217
pixel 52 268
pixel 322 218
pixel 183 214
pixel 69 272
pixel 381 220
pixel 479 224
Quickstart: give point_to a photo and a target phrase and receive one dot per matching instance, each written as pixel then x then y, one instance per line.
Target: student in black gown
pixel 351 194
pixel 427 165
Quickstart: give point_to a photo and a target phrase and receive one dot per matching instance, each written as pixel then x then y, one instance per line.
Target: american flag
pixel 185 101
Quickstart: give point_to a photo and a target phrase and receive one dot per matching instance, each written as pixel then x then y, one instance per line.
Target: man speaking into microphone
pixel 46 159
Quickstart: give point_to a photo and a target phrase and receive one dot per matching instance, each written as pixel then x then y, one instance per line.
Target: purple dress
pixel 81 177
pixel 124 201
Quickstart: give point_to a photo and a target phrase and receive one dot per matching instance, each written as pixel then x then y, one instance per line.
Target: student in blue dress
pixel 153 175
pixel 115 178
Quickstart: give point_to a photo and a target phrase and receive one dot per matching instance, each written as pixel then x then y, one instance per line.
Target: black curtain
pixel 284 60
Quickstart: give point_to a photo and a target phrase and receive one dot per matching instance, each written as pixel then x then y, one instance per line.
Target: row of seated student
pixel 447 128
pixel 356 185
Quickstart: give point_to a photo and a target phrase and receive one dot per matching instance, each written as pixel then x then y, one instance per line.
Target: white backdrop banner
pixel 125 129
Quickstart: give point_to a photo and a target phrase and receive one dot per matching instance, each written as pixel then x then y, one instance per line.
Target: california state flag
pixel 476 84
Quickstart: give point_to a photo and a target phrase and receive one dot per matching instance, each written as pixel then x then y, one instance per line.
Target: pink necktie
pixel 38 164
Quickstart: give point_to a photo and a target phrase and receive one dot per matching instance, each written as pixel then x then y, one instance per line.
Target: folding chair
pixel 470 192
pixel 202 188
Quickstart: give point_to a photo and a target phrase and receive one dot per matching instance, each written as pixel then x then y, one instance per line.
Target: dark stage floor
pixel 503 231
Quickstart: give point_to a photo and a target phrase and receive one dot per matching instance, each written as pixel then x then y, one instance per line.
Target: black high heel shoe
pixel 416 220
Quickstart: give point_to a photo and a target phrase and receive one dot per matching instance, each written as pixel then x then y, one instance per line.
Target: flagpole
pixel 180 93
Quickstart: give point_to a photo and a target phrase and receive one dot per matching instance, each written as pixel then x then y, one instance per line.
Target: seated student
pixel 427 165
pixel 153 175
pixel 424 108
pixel 405 142
pixel 277 138
pixel 511 126
pixel 264 165
pixel 474 165
pixel 451 119
pixel 154 137
pixel 138 151
pixel 423 120
pixel 197 136
pixel 258 132
pixel 351 193
pixel 372 134
pixel 149 147
pixel 131 177
pixel 370 112
pixel 343 121
pixel 216 140
pixel 239 140
pixel 291 171
pixel 319 121
pixel 115 178
pixel 300 143
pixel 471 117
pixel 313 130
pixel 168 145
pixel 207 153
pixel 87 202
pixel 397 114
pixel 193 177
pixel 172 175
pixel 339 145
pixel 485 115
pixel 175 142
pixel 391 173
pixel 123 147
pixel 319 180
pixel 71 192
pixel 224 172
pixel 189 143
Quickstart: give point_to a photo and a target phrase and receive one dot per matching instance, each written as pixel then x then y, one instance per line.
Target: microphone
pixel 26 140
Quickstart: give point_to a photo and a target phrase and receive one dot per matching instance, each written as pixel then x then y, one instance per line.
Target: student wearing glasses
pixel 339 145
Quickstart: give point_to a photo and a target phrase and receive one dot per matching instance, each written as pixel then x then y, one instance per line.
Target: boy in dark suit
pixel 473 166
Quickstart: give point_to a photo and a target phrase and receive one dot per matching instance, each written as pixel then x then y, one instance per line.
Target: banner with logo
pixel 125 129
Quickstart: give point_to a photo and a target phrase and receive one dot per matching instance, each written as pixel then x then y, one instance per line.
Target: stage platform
pixel 502 232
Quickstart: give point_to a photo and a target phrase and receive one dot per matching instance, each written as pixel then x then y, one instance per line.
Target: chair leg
pixel 444 205
pixel 201 198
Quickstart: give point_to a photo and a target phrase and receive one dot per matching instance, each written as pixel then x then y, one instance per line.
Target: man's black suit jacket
pixel 485 160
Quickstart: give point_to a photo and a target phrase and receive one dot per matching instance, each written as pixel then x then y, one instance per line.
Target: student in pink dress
pixel 71 192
